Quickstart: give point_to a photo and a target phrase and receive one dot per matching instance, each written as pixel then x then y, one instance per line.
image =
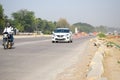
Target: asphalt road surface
pixel 38 58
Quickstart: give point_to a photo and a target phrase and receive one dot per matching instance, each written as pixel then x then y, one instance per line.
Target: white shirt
pixel 9 30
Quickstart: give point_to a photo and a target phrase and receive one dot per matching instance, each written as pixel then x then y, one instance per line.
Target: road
pixel 39 58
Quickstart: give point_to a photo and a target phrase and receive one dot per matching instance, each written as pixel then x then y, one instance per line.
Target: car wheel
pixel 53 41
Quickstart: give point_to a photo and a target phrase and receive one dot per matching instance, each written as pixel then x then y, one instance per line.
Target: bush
pixel 101 35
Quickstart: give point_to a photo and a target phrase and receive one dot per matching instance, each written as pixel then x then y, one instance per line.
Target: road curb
pixel 96 68
pixel 27 36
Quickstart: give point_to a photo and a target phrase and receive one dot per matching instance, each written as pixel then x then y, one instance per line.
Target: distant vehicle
pixel 62 35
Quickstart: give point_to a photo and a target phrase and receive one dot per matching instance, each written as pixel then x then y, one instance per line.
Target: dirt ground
pixel 79 70
pixel 112 61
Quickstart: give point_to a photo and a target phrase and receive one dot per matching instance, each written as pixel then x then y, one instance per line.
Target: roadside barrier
pixel 96 68
pixel 27 36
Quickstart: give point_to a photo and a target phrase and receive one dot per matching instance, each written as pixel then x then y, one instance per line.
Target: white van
pixel 62 35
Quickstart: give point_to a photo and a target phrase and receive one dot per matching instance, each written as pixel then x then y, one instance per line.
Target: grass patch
pixel 111 44
pixel 101 35
pixel 118 61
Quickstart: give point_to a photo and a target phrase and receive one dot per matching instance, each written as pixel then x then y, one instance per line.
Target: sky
pixel 94 12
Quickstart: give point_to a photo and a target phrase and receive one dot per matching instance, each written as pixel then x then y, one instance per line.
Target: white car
pixel 62 35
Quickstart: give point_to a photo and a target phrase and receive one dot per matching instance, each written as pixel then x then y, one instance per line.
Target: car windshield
pixel 62 31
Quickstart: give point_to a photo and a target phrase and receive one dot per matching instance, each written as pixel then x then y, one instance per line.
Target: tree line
pixel 25 21
pixel 85 27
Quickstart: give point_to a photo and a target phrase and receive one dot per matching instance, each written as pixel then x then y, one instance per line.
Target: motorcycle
pixel 7 41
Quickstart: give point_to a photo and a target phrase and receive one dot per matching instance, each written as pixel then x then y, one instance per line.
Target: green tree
pixel 40 25
pixel 50 26
pixel 24 19
pixel 62 23
pixel 2 22
pixel 44 26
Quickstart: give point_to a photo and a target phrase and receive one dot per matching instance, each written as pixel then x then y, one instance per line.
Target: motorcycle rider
pixel 9 29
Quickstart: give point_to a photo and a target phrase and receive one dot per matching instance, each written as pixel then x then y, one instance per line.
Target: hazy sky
pixel 94 12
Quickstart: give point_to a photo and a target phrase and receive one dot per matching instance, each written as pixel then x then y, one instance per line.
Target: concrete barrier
pixel 96 66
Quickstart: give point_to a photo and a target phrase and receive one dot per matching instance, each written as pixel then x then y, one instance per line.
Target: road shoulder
pixel 112 64
pixel 78 71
